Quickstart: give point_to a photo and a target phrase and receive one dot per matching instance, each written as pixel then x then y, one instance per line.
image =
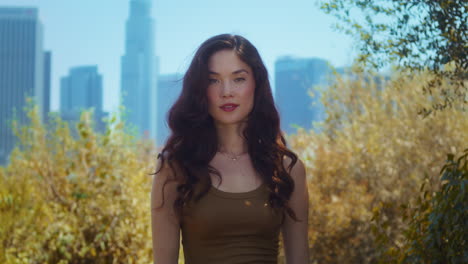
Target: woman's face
pixel 231 88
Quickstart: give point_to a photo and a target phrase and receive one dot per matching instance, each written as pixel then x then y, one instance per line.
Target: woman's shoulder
pixel 298 168
pixel 167 175
pixel 168 169
pixel 165 181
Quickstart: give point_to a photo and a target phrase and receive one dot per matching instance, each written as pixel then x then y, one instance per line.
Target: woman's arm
pixel 295 234
pixel 164 222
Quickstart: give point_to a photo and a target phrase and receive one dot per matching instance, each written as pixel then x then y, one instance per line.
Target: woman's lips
pixel 229 107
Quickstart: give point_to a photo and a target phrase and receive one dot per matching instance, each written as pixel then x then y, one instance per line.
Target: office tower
pixel 82 90
pixel 47 83
pixel 295 78
pixel 139 70
pixel 169 88
pixel 21 70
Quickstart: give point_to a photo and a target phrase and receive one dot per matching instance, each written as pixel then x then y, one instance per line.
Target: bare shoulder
pixel 165 182
pixel 298 170
pixel 167 170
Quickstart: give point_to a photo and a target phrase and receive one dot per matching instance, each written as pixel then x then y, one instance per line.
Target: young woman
pixel 225 182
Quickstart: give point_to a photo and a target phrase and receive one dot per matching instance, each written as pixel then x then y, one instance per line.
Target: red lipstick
pixel 229 107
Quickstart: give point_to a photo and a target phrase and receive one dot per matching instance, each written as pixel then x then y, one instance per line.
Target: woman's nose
pixel 226 89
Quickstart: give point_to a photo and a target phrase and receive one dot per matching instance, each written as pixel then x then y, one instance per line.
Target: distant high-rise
pixel 139 70
pixel 169 88
pixel 81 90
pixel 21 70
pixel 294 78
pixel 47 82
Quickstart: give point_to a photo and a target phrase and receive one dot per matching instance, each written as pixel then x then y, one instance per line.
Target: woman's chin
pixel 230 122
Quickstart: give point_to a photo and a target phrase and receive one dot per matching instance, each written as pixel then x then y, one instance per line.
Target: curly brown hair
pixel 193 141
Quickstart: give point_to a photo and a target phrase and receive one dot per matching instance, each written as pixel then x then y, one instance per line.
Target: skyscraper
pixel 21 70
pixel 139 70
pixel 80 90
pixel 294 79
pixel 169 88
pixel 47 82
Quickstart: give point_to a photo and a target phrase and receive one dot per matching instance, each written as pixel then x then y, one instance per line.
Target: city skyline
pixel 24 70
pixel 81 90
pixel 169 87
pixel 86 32
pixel 138 75
pixel 295 80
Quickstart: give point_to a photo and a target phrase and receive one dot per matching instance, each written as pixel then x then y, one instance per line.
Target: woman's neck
pixel 231 140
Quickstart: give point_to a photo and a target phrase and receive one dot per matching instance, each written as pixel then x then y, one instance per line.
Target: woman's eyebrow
pixel 234 72
pixel 240 71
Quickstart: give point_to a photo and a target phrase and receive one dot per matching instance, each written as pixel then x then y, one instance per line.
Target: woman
pixel 225 180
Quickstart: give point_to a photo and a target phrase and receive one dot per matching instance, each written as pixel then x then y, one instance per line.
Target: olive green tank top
pixel 231 228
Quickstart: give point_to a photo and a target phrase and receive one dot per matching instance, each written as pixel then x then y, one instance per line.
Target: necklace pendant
pixel 232 157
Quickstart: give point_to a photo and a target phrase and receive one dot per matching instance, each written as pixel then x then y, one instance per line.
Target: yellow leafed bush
pixel 76 200
pixel 85 199
pixel 375 147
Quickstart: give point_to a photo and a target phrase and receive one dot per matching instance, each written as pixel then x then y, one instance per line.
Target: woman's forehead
pixel 227 62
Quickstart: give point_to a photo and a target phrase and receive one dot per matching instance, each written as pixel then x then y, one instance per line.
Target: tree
pixel 374 149
pixel 416 34
pixel 437 225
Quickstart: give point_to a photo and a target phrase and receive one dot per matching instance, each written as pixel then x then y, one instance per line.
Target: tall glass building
pixel 169 89
pixel 139 70
pixel 47 82
pixel 297 101
pixel 22 71
pixel 82 90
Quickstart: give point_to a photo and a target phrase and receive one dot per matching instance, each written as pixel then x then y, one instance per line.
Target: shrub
pixel 437 224
pixel 75 200
pixel 375 148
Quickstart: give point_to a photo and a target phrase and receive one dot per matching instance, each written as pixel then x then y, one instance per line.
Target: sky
pixel 92 32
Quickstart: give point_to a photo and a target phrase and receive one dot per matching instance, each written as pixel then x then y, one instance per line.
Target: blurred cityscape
pixel 25 71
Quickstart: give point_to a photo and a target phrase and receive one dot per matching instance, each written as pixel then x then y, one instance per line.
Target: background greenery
pixel 75 200
pixel 86 199
pixel 387 176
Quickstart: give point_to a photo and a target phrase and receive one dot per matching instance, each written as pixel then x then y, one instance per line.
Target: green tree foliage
pixel 437 228
pixel 76 200
pixel 375 148
pixel 418 34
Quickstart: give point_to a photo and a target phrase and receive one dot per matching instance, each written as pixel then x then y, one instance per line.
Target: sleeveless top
pixel 231 228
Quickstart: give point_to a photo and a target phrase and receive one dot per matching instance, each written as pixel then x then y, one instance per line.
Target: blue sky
pixel 91 32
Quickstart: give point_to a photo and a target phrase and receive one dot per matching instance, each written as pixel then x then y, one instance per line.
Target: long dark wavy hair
pixel 193 141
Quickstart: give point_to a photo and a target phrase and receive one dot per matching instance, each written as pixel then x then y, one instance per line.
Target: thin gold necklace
pixel 232 157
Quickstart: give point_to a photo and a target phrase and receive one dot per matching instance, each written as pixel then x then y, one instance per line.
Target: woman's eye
pixel 239 79
pixel 211 81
